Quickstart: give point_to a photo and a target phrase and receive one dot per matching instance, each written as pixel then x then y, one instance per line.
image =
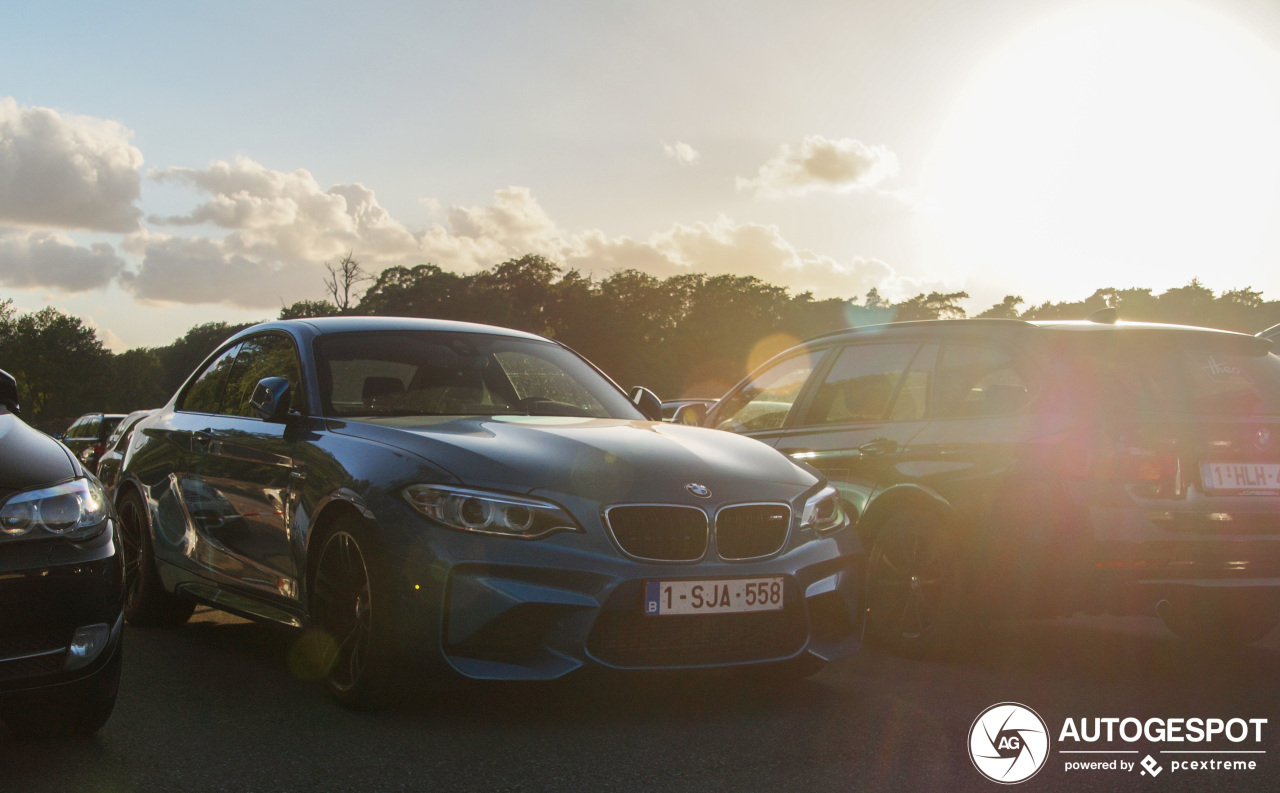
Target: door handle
pixel 878 446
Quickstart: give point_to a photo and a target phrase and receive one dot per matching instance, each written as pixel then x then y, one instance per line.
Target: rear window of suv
pixel 1199 377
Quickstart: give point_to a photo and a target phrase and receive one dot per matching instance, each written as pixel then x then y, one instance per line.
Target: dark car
pixel 87 436
pixel 460 499
pixel 1007 468
pixel 61 585
pixel 113 455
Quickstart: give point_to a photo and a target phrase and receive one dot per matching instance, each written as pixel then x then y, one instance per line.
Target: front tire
pixel 351 606
pixel 146 602
pixel 913 586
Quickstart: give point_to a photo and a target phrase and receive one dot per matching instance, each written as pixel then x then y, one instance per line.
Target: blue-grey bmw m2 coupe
pixel 456 498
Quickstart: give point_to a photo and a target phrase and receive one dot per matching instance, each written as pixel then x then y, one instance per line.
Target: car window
pixel 763 403
pixel 74 430
pixel 88 428
pixel 1204 378
pixel 537 378
pixel 977 380
pixel 264 355
pixel 861 383
pixel 203 395
pixel 109 423
pixel 429 373
pixel 912 401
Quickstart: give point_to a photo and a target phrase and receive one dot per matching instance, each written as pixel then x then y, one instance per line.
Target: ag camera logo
pixel 1008 743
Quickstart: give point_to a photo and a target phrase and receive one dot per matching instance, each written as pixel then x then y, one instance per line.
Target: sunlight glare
pixel 1130 144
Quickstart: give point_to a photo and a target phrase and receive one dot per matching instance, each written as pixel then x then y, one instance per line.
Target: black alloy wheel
pixel 348 609
pixel 912 592
pixel 146 602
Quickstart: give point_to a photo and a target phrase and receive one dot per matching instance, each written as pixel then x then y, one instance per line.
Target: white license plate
pixel 725 596
pixel 1241 476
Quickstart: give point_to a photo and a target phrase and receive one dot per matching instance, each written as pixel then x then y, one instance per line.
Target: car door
pixel 857 424
pixel 242 471
pixel 761 406
pixel 183 507
pixel 980 444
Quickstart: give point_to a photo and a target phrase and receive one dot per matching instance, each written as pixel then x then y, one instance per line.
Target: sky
pixel 167 164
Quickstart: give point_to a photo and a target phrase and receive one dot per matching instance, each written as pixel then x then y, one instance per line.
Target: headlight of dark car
pixel 74 510
pixel 823 512
pixel 485 512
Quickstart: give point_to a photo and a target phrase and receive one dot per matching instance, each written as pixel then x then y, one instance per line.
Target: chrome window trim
pixel 706 543
pixel 791 519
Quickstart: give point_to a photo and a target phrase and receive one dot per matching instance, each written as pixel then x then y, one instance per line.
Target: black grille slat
pixel 27 644
pixel 752 531
pixel 632 639
pixel 30 667
pixel 665 533
pixel 13 666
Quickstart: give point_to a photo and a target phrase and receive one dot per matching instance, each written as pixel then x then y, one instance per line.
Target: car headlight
pixel 484 512
pixel 823 512
pixel 74 510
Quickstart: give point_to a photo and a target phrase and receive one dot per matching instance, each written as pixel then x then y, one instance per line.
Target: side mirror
pixel 647 403
pixel 9 391
pixel 270 400
pixel 692 414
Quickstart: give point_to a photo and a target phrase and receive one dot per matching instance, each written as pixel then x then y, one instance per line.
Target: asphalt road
pixel 214 706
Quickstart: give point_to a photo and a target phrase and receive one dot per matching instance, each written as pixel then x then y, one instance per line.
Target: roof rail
pixel 917 323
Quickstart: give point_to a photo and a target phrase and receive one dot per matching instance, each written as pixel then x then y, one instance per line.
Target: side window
pixel 88 430
pixel 202 396
pixel 765 401
pixel 980 381
pixel 77 430
pixel 265 355
pixel 861 384
pixel 912 402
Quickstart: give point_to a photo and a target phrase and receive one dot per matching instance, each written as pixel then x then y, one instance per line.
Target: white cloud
pixel 819 164
pixel 681 152
pixel 288 216
pixel 283 226
pixel 33 259
pixel 726 247
pixel 203 270
pixel 66 171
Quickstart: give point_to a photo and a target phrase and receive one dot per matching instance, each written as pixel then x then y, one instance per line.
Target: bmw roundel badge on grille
pixel 701 491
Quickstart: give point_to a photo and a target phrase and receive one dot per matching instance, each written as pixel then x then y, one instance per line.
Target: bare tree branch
pixel 343 278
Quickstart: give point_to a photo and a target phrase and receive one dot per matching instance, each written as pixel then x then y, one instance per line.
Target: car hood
pixel 29 458
pixel 602 459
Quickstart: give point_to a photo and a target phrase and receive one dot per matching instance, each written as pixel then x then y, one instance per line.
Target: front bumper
pixel 49 589
pixel 540 610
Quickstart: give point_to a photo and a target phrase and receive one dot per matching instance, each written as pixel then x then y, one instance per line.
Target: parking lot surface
pixel 215 706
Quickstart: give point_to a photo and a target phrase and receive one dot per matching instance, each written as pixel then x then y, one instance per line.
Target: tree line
pixel 685 335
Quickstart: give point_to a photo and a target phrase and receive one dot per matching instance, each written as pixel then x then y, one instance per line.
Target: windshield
pixel 426 373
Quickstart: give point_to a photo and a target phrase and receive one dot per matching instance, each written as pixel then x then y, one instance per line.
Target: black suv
pixel 1001 468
